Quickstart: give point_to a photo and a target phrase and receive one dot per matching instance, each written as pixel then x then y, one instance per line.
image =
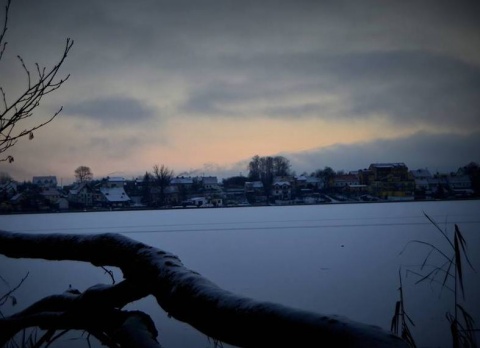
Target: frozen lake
pixel 333 259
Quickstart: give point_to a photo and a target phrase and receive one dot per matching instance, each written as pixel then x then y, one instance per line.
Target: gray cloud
pixel 443 152
pixel 412 86
pixel 408 86
pixel 415 62
pixel 213 27
pixel 113 148
pixel 112 110
pixel 409 62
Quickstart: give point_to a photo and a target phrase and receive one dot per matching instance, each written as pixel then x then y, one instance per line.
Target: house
pixel 254 186
pixel 81 195
pixel 186 182
pixel 114 197
pixel 308 182
pixel 305 189
pixel 459 182
pixel 209 183
pixel 112 192
pixel 172 194
pixel 391 181
pixel 422 179
pixel 282 191
pixel 356 189
pixel 438 186
pixel 199 201
pixel 342 181
pixel 180 189
pixel 208 187
pixel 460 185
pixel 255 193
pixel 234 195
pixel 384 171
pixel 350 184
pixel 366 177
pixel 45 181
pixel 51 194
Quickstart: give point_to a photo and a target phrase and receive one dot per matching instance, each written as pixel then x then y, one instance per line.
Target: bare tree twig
pixel 110 274
pixel 3 44
pixel 12 114
pixel 4 298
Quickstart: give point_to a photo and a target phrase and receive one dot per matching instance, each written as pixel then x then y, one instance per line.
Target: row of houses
pixel 109 193
pixel 44 194
pixel 394 181
pixel 380 181
pixel 385 181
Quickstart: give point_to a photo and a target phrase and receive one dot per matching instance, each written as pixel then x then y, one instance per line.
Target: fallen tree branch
pixel 96 311
pixel 114 328
pixel 188 297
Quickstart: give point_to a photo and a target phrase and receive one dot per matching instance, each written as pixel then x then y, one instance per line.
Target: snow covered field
pixel 332 259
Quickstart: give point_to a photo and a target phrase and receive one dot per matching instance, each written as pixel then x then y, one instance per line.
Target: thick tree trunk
pixel 188 297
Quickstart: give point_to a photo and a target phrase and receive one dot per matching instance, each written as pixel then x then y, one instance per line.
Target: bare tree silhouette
pixel 14 111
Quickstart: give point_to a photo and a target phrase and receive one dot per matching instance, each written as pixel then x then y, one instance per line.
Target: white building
pixel 113 192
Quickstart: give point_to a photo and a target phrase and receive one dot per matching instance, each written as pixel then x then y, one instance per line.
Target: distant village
pixel 380 182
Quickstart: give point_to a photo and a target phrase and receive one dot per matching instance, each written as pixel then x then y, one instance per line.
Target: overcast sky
pixel 202 86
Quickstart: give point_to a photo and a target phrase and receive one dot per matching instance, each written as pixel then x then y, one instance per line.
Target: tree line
pixel 264 169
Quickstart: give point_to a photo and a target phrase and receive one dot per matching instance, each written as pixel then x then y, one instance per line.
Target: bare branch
pixel 23 106
pixel 110 274
pixel 4 298
pixel 3 44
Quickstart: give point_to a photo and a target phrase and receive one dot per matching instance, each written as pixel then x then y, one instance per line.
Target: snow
pixel 331 259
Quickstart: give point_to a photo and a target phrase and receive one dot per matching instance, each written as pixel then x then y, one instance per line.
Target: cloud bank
pixel 185 82
pixel 437 152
